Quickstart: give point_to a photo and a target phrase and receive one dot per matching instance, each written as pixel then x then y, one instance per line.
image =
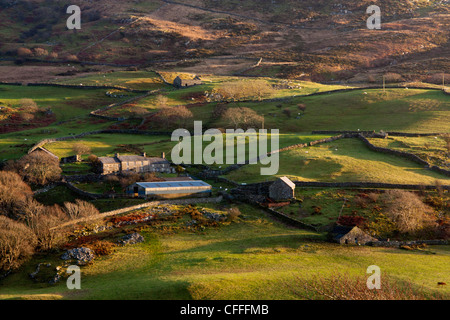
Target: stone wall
pixel 397 244
pixel 106 131
pixel 406 155
pixel 389 133
pixel 142 206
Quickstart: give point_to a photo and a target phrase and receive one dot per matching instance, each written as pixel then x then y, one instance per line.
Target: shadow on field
pixel 253 244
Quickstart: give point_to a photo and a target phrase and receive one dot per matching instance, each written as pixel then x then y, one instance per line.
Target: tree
pixel 39 167
pixel 243 118
pixel 237 90
pixel 14 194
pixel 80 209
pixel 44 220
pixel 28 105
pixel 80 148
pixel 407 211
pixel 170 117
pixel 24 52
pixel 161 101
pixel 17 243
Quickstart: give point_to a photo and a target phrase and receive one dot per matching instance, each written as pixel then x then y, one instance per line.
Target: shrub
pixel 43 220
pixel 233 214
pixel 407 211
pixel 14 194
pixel 17 243
pixel 24 52
pixel 360 202
pixel 80 209
pixel 28 105
pixel 393 77
pixel 302 107
pixel 101 247
pixel 27 117
pixel 373 196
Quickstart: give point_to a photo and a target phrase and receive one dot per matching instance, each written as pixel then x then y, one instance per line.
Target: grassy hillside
pixel 342 161
pixel 252 259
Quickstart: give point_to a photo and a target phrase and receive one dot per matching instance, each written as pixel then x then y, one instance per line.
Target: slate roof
pixel 108 160
pixel 172 184
pixel 112 160
pixel 152 160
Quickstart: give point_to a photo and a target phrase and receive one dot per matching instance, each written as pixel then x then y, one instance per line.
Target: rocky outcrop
pixel 133 238
pixel 82 255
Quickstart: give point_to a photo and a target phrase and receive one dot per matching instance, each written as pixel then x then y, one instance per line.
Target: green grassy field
pixel 137 80
pixel 64 102
pixel 253 259
pixel 342 161
pixel 399 110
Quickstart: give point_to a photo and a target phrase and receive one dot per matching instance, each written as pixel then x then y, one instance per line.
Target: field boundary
pixel 142 206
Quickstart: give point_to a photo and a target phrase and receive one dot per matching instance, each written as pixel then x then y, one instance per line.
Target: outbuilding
pixel 185 83
pixel 350 235
pixel 282 189
pixel 169 189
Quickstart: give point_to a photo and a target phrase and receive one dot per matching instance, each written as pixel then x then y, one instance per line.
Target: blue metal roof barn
pixel 169 189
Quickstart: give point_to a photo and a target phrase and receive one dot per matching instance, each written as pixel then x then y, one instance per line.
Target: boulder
pixel 82 255
pixel 131 239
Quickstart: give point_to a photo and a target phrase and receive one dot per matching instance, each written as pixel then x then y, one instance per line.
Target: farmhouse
pixel 169 189
pixel 139 164
pixel 282 189
pixel 350 235
pixel 185 83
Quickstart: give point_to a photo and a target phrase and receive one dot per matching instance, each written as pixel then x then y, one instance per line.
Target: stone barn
pixel 350 235
pixel 282 189
pixel 186 83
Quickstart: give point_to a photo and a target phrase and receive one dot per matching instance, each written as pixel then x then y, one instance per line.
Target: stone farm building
pixel 282 189
pixel 169 189
pixel 185 83
pixel 350 235
pixel 139 164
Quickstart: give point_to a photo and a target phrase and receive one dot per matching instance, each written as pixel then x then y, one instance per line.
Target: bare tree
pixel 17 243
pixel 28 105
pixel 14 194
pixel 43 220
pixel 80 148
pixel 178 117
pixel 407 211
pixel 80 209
pixel 238 90
pixel 243 118
pixel 39 167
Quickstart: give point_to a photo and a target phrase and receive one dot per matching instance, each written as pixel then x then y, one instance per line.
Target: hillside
pixel 310 40
pixel 358 120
